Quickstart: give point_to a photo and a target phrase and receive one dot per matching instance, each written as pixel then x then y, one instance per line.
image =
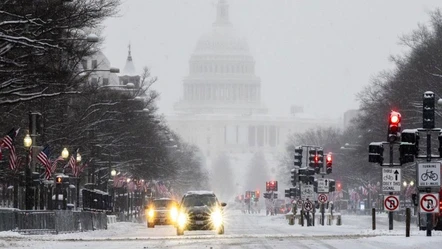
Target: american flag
pixel 73 164
pixel 43 157
pixel 54 163
pixel 8 143
pixel 79 169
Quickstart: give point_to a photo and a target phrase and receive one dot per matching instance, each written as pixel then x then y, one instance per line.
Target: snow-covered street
pixel 242 231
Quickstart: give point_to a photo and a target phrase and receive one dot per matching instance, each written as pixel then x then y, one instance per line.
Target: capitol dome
pixel 222 40
pixel 221 72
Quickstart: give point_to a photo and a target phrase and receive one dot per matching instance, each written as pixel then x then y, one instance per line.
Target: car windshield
pixel 199 200
pixel 163 203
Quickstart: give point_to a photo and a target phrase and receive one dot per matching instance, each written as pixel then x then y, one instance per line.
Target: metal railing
pixel 59 221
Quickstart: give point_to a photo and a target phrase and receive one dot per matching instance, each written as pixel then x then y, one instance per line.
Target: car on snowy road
pixel 162 211
pixel 200 210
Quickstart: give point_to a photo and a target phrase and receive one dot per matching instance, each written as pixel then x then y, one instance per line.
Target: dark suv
pixel 163 211
pixel 200 210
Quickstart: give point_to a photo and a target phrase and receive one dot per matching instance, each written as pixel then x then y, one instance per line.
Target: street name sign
pixel 428 174
pixel 323 185
pixel 391 179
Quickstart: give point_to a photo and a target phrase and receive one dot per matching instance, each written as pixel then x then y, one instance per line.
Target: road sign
pixel 323 185
pixel 429 202
pixel 308 206
pixel 322 198
pixel 307 192
pixel 391 179
pixel 428 174
pixel 391 202
pixel 300 203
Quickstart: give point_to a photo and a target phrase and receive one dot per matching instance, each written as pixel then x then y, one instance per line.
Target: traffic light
pixel 329 163
pixel 267 195
pixel 252 194
pixel 293 177
pixel 312 158
pixel 394 126
pixel 287 193
pixel 59 180
pixel 428 110
pixel 320 155
pixel 311 179
pixel 376 152
pixel 294 192
pixel 338 186
pixel 275 185
pixel 267 186
pixel 257 194
pixel 275 195
pixel 407 151
pixel 298 156
pixel 411 136
pixel 332 185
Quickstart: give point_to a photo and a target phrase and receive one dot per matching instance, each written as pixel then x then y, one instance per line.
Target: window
pixel 84 64
pixel 94 81
pixel 94 64
pixel 105 81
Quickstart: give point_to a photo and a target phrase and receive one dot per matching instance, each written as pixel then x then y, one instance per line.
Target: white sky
pixel 327 47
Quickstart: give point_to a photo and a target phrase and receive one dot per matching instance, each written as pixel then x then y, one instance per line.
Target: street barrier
pixel 59 221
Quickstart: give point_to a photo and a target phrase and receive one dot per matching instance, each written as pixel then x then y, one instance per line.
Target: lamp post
pixel 113 173
pixel 129 203
pixel 77 178
pixel 27 141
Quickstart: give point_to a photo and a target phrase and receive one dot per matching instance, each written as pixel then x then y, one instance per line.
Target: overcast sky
pixel 316 54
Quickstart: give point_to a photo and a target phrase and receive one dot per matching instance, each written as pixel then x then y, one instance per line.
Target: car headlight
pixel 151 213
pixel 173 214
pixel 217 218
pixel 182 220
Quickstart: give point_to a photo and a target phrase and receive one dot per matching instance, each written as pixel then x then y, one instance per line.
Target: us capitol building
pixel 221 108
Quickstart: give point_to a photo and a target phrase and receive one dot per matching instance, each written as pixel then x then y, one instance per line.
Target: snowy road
pixel 242 231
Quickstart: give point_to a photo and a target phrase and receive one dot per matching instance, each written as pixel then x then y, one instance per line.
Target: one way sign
pixel 323 185
pixel 391 179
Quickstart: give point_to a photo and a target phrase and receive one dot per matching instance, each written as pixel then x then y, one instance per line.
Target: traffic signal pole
pixel 429 215
pixel 390 213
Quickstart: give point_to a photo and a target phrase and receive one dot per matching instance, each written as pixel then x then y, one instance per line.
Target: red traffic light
pixel 329 158
pixel 395 117
pixel 59 180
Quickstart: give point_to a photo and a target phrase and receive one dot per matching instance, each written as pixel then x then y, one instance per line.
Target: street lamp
pixel 78 157
pixel 27 141
pixel 65 153
pixel 113 172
